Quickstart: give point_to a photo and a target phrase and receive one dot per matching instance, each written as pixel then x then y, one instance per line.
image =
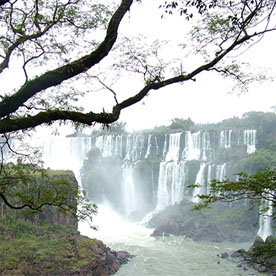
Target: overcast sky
pixel 209 99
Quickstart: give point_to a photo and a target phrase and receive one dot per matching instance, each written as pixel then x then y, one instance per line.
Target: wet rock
pixel 158 233
pixel 179 219
pixel 124 256
pixel 262 269
pixel 224 255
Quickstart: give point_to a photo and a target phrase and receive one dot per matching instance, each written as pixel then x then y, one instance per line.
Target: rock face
pixel 215 225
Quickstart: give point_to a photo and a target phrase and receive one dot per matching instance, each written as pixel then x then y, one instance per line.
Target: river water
pixel 164 256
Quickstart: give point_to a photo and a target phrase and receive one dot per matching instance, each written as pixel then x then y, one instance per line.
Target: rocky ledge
pixel 261 255
pixel 51 250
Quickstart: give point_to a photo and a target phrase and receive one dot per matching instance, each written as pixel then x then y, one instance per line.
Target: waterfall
pixel 162 193
pixel 109 145
pixel 209 177
pixel 134 147
pixel 206 146
pixel 170 183
pixel 265 220
pixel 225 138
pixel 171 175
pixel 129 192
pixel 65 153
pixel 148 147
pixel 174 147
pixel 200 180
pixel 220 172
pixel 182 155
pixel 249 139
pixel 192 146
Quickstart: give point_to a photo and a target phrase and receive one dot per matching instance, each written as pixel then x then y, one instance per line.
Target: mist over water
pixel 163 256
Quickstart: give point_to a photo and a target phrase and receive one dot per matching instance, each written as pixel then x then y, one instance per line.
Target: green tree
pixel 183 124
pixel 53 64
pixel 255 188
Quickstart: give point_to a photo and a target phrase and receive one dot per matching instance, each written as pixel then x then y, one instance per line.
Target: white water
pixel 164 256
pixel 225 138
pixel 265 221
pixel 249 139
pixel 129 191
pixel 171 175
pixel 192 146
pixel 200 180
pixel 220 172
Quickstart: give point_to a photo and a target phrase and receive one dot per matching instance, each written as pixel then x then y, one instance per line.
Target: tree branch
pixel 3 2
pixel 8 124
pixel 52 78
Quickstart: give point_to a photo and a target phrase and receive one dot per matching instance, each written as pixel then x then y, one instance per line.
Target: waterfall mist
pixel 138 175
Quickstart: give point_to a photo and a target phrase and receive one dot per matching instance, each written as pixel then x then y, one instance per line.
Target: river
pixel 164 256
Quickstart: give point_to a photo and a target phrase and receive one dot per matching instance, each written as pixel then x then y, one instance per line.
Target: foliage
pixel 259 160
pixel 254 188
pixel 182 124
pixel 33 191
pixel 116 128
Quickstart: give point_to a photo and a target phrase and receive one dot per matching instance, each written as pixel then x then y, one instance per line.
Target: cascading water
pixel 65 153
pixel 165 256
pixel 249 139
pixel 265 221
pixel 220 172
pixel 225 138
pixel 192 146
pixel 149 147
pixel 206 146
pixel 169 181
pixel 129 191
pixel 200 180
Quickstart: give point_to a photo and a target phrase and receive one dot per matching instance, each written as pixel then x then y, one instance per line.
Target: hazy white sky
pixel 206 100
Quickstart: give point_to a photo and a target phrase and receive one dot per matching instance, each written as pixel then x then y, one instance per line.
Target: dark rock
pixel 262 269
pixel 158 233
pixel 124 256
pixel 235 254
pixel 224 255
pixel 258 242
pixel 179 219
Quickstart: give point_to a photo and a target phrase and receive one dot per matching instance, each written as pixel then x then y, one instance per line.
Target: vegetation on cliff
pixel 46 195
pixel 28 249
